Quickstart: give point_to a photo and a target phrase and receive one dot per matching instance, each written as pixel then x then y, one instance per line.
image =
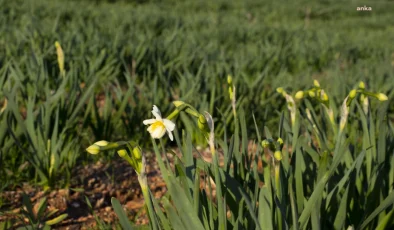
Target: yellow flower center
pixel 158 124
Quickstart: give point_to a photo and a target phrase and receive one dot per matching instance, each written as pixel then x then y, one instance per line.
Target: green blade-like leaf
pixel 385 204
pixel 124 221
pixel 57 220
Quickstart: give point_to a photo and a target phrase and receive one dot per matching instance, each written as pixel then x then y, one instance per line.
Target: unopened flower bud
pixel 280 141
pixel 311 93
pixel 278 155
pixel 265 143
pixel 178 103
pixel 230 92
pixel 102 143
pixel 122 153
pixel 382 97
pixel 202 123
pixel 352 94
pixel 95 148
pixel 299 95
pixel 324 96
pixel 229 80
pixel 137 153
pixel 316 83
pixel 361 85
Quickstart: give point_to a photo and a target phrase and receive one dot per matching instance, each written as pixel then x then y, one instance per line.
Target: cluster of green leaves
pixel 320 179
pixel 38 217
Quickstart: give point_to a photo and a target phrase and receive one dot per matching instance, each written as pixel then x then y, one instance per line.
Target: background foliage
pixel 123 56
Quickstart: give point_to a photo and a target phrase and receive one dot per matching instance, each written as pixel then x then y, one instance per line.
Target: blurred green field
pixel 122 57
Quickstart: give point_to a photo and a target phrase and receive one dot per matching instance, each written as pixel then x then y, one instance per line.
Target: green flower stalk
pixel 291 105
pixel 211 128
pixel 365 103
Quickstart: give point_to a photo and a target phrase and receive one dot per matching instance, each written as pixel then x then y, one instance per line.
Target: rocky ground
pixel 98 183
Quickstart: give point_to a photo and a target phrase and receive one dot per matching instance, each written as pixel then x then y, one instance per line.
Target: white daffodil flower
pixel 159 126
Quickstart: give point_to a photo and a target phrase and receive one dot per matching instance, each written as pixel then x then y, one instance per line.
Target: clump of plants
pixel 325 167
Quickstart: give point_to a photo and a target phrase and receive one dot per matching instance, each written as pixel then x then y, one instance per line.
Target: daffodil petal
pixel 170 135
pixel 149 121
pixel 156 112
pixel 158 132
pixel 169 124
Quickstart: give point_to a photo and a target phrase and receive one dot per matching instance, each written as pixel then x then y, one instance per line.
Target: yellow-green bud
pixel 352 94
pixel 101 143
pixel 137 153
pixel 311 93
pixel 122 153
pixel 202 123
pixel 230 92
pixel 299 95
pixel 93 149
pixel 278 155
pixel 316 83
pixel 382 97
pixel 280 90
pixel 280 141
pixel 265 143
pixel 229 80
pixel 361 85
pixel 324 96
pixel 178 103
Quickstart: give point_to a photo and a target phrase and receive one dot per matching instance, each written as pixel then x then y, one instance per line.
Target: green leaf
pixel 265 213
pixel 56 219
pixel 383 205
pixel 342 210
pixel 316 195
pixel 124 221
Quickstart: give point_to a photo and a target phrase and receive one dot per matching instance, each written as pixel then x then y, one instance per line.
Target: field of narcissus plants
pixel 132 114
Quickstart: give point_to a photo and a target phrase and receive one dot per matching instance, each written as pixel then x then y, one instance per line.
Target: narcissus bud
pixel 101 143
pixel 202 123
pixel 353 94
pixel 299 95
pixel 316 83
pixel 178 103
pixel 95 148
pixel 278 155
pixel 311 93
pixel 229 80
pixel 361 85
pixel 122 153
pixel 382 97
pixel 324 96
pixel 137 153
pixel 265 143
pixel 280 141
